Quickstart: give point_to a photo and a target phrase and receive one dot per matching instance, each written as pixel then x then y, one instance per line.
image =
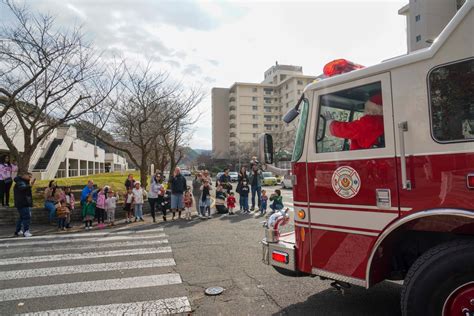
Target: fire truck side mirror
pixel 265 148
pixel 291 115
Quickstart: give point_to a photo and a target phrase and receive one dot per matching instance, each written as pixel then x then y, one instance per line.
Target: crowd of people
pixel 98 204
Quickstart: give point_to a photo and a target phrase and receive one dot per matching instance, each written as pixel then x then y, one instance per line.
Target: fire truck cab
pixel 390 197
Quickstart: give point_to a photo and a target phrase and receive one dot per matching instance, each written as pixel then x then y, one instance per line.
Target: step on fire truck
pixel 383 176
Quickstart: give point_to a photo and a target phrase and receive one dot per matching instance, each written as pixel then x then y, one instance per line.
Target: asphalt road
pixel 165 268
pixel 225 251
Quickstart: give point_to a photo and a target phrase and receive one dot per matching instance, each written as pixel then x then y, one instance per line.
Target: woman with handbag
pixel 6 181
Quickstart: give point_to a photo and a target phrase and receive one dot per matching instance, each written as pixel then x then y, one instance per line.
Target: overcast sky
pixel 216 43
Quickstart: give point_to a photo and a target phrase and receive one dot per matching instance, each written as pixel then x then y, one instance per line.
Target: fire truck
pixel 399 206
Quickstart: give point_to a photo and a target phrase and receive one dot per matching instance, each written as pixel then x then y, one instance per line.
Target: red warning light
pixel 340 66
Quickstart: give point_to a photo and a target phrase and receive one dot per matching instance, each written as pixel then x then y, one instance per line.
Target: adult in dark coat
pixel 23 202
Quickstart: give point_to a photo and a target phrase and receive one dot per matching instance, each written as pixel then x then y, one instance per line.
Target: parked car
pixel 185 172
pixel 234 176
pixel 287 183
pixel 269 178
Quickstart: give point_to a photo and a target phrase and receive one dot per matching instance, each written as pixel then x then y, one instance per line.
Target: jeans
pixel 205 206
pixel 244 203
pixel 138 210
pixel 62 222
pixel 276 207
pixel 24 220
pixel 258 190
pixel 49 205
pixel 153 202
pixel 263 207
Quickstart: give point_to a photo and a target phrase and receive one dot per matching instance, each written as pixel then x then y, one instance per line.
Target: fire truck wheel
pixel 441 281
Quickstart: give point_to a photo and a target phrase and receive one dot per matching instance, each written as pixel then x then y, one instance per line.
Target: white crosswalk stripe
pixel 143 263
pixel 95 234
pixel 35 243
pixel 134 243
pixel 159 307
pixel 85 255
pixel 64 270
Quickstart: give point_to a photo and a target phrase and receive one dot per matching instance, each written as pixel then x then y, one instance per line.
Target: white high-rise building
pixel 426 19
pixel 245 110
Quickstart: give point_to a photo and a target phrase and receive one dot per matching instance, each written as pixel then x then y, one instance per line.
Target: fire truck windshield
pixel 300 133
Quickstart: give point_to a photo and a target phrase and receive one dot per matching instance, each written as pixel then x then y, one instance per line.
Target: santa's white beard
pixel 371 108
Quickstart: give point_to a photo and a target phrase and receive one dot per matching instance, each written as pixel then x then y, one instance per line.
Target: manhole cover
pixel 215 290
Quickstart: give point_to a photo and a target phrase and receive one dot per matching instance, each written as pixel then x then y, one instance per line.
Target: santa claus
pixel 365 132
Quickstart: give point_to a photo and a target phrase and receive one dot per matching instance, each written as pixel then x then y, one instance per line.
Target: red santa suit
pixel 364 132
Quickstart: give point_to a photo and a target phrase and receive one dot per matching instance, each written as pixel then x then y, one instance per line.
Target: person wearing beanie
pixel 365 132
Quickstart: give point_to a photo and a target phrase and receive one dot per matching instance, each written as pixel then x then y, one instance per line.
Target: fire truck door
pixel 352 178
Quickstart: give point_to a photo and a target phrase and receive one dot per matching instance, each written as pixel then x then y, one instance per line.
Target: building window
pixel 267 109
pixel 254 90
pixel 417 18
pixel 254 99
pixel 418 38
pixel 452 110
pixel 286 86
pixel 299 82
pixel 287 95
pixel 255 125
pixel 255 117
pixel 255 135
pixel 268 100
pixel 268 118
pixel 254 107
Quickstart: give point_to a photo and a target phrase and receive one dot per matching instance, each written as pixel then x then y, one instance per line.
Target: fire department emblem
pixel 346 182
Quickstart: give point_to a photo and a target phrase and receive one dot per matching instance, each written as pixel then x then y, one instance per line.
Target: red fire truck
pixel 387 195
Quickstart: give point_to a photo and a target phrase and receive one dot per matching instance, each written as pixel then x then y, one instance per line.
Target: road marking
pixel 86 268
pixel 128 243
pixel 88 287
pixel 27 242
pixel 85 255
pixel 173 305
pixel 95 234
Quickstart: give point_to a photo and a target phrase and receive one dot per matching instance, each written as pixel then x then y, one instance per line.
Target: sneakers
pixel 18 234
pixel 141 219
pixel 27 234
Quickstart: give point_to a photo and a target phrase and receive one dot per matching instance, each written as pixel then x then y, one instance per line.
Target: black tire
pixel 434 275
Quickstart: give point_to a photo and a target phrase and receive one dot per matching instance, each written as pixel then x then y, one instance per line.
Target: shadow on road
pixel 383 299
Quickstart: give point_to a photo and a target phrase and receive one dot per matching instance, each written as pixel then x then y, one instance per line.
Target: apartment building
pixel 426 19
pixel 245 110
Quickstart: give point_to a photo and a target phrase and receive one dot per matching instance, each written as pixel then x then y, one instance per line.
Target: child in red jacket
pixel 365 132
pixel 231 203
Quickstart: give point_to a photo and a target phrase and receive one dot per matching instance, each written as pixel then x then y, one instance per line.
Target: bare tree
pixel 48 77
pixel 176 126
pixel 134 116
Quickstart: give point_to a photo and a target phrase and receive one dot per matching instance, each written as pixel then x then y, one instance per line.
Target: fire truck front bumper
pixel 279 253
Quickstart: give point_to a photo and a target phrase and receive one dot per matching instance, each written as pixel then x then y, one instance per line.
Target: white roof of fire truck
pixel 413 57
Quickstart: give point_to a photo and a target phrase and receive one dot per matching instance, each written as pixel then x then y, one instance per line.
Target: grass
pixel 114 180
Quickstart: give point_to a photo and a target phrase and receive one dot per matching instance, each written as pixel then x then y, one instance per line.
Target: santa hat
pixel 376 98
pixel 373 106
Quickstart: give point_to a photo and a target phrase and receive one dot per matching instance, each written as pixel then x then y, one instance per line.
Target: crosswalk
pixel 125 272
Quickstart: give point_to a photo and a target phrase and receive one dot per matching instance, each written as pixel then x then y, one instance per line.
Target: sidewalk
pixel 6 231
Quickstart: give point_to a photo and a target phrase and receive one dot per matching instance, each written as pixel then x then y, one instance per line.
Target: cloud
pixel 192 70
pixel 213 62
pixel 210 79
pixel 173 63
